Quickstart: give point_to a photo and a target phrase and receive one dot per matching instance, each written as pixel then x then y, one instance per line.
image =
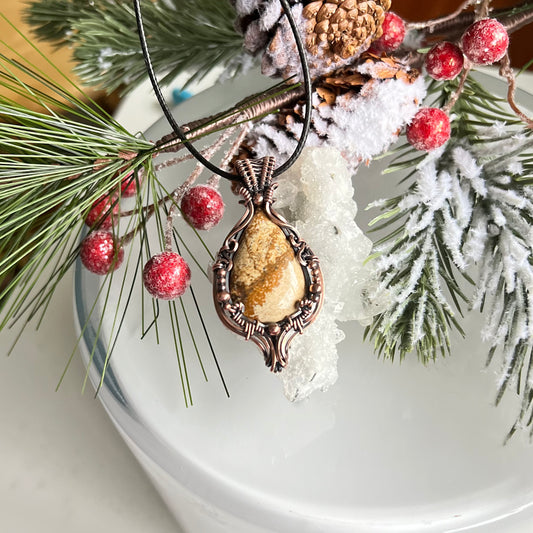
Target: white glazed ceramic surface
pixel 390 448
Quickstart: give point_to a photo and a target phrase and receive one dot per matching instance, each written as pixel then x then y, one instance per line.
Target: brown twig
pixel 249 109
pixel 176 195
pixel 522 17
pixel 432 25
pixel 460 87
pixel 451 28
pixel 482 9
pixel 507 72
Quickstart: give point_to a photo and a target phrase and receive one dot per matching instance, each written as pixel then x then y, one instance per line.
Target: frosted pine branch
pixel 465 208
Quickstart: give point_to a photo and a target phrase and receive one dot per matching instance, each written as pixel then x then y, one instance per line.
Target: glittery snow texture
pixel 444 61
pixel 166 276
pixel 316 195
pixel 485 41
pixel 99 254
pixel 429 129
pixel 202 206
pixel 359 126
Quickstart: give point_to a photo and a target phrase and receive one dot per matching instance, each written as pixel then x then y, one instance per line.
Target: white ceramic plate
pixel 389 448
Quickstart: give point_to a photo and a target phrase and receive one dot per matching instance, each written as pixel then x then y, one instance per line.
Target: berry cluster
pixel 105 212
pixel 166 275
pixel 483 43
pixel 100 251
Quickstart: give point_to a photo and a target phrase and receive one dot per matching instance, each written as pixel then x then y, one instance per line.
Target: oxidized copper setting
pixel 273 338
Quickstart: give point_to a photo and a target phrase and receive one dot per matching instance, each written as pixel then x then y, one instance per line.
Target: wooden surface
pixel 12 10
pixel 40 54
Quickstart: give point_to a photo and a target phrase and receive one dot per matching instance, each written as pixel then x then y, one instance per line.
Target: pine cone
pixel 336 32
pixel 345 106
pixel 343 26
pixel 256 20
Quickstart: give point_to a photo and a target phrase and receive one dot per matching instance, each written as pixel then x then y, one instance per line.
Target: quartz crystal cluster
pixel 316 195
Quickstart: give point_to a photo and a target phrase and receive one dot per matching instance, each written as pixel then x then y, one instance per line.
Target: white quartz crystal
pixel 316 195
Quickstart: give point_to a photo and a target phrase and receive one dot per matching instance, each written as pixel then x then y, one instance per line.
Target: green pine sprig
pixel 59 154
pixel 47 171
pixel 183 35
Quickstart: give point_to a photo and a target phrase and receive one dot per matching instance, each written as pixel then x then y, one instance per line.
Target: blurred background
pixel 13 11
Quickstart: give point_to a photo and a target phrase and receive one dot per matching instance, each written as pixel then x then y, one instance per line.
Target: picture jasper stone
pixel 266 275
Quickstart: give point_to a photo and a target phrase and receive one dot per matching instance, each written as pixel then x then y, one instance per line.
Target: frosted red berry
pixel 444 61
pixel 429 129
pixel 166 275
pixel 104 213
pixel 393 33
pixel 128 185
pixel 100 252
pixel 202 206
pixel 485 41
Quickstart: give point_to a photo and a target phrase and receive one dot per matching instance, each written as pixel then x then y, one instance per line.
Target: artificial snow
pixel 360 126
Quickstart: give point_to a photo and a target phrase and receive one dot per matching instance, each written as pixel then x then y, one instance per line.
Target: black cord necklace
pixel 181 135
pixel 267 284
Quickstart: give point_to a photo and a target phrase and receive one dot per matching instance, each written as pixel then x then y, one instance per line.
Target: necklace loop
pixel 182 136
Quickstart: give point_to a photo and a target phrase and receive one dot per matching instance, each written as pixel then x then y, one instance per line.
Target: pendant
pixel 267 283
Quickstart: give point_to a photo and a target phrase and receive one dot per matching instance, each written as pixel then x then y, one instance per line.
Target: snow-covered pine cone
pixel 359 110
pixel 335 31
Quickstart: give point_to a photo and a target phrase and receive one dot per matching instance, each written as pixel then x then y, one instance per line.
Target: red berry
pixel 444 61
pixel 429 129
pixel 393 33
pixel 100 252
pixel 202 206
pixel 166 275
pixel 485 41
pixel 103 213
pixel 128 186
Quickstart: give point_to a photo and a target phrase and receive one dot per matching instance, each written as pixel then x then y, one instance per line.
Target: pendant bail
pixel 256 179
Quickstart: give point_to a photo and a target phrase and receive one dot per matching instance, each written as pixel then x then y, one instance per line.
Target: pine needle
pixel 428 234
pixel 184 35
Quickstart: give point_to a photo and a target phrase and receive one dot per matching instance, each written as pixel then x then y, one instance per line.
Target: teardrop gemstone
pixel 266 275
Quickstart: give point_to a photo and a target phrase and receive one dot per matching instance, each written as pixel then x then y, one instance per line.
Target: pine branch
pixel 501 237
pixel 470 204
pixel 415 265
pixel 183 35
pixel 55 163
pixel 50 181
